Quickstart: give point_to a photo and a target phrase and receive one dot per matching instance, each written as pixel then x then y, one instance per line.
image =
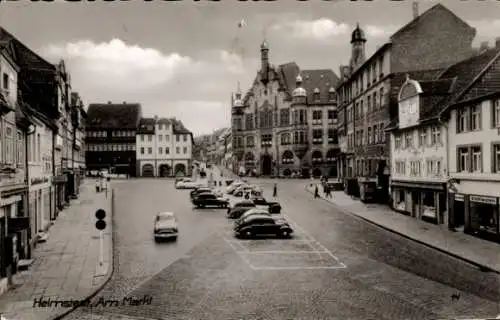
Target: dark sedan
pixel 236 210
pixel 199 190
pixel 274 207
pixel 210 200
pixel 262 225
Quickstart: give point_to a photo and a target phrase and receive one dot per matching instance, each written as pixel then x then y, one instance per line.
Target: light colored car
pixel 241 191
pixel 166 226
pixel 189 184
pixel 234 186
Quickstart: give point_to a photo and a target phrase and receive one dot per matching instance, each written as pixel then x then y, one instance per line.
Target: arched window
pixel 316 157
pixel 287 157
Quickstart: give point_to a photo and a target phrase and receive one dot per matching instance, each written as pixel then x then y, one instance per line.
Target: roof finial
pixel 238 89
pixel 357 24
pixel 407 76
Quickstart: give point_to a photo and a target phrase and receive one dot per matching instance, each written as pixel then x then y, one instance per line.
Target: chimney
pixel 109 102
pixel 497 42
pixel 415 9
pixel 124 102
pixel 484 46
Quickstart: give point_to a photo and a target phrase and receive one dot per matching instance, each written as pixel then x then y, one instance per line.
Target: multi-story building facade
pixel 40 164
pixel 369 88
pixel 32 92
pixel 277 133
pixel 78 117
pixel 110 137
pixel 474 145
pixel 444 146
pixel 14 220
pixel 63 174
pixel 418 152
pixel 164 148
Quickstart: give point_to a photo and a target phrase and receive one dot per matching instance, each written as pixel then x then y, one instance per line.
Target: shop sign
pixel 459 197
pixel 483 199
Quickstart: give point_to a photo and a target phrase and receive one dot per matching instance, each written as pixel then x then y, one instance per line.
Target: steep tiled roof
pixel 25 56
pixel 323 79
pixel 179 127
pixel 435 9
pixel 109 115
pixel 466 72
pixel 143 126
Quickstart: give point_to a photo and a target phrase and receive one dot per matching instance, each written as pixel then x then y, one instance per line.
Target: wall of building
pixel 439 40
pixel 485 182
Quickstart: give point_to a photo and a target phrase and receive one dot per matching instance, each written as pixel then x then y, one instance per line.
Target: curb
pixel 481 267
pixel 112 265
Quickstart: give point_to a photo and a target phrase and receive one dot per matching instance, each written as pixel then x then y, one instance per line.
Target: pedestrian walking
pixel 325 189
pixel 316 192
pixel 275 190
pixel 328 192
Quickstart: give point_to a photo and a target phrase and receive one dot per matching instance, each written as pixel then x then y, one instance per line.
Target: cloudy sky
pixel 183 59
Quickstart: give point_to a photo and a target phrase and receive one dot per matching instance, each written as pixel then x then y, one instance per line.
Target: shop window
pixel 400 200
pixel 429 204
pixel 484 213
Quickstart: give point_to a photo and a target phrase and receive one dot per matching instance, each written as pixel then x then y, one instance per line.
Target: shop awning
pixel 440 186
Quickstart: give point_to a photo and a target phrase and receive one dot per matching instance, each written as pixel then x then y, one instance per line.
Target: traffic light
pixel 100 224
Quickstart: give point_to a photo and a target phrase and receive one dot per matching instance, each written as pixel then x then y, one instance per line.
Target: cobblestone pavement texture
pixel 484 253
pixel 65 266
pixel 342 267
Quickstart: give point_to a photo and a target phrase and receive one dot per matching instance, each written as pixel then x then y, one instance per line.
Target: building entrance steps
pixel 65 266
pixel 484 254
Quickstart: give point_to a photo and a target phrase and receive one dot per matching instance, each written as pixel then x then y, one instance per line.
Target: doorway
pixel 266 165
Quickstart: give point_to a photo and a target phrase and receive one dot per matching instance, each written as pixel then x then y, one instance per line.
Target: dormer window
pixel 331 96
pixel 316 95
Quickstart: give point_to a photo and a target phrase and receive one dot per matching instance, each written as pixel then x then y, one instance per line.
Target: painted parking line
pixel 283 254
pixel 306 233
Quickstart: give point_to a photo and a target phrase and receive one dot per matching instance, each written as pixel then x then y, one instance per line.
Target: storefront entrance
pixel 267 163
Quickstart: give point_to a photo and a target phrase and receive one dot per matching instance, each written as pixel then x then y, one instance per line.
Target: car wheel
pixel 285 234
pixel 174 238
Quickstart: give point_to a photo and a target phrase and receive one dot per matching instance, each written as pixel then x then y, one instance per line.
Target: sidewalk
pixel 67 265
pixel 466 247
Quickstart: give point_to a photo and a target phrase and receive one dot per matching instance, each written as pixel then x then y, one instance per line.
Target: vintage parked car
pixel 234 186
pixel 254 191
pixel 252 212
pixel 189 184
pixel 236 210
pixel 274 207
pixel 199 190
pixel 165 226
pixel 210 200
pixel 262 225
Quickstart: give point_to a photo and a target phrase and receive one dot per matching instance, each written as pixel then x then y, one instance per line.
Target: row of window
pixel 160 137
pixel 357 86
pixel 374 102
pixel 427 137
pixel 373 135
pixel 123 133
pixel 300 137
pixel 297 117
pixel 366 167
pixel 166 150
pixel 432 167
pixel 470 119
pixel 110 147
